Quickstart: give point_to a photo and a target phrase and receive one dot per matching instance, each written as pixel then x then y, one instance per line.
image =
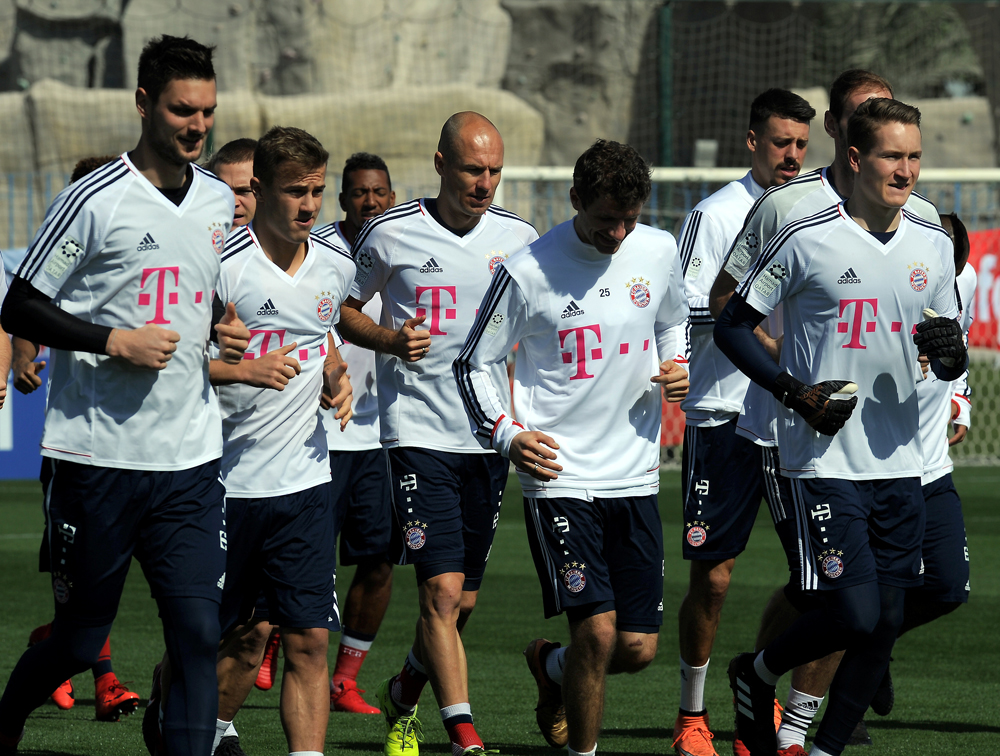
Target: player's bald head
pixel 463 129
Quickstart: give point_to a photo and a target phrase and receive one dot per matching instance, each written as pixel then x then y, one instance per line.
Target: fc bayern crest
pixel 831 564
pixel 218 240
pixel 495 261
pixel 696 536
pixel 574 580
pixel 325 309
pixel 918 279
pixel 638 292
pixel 415 535
pixel 60 588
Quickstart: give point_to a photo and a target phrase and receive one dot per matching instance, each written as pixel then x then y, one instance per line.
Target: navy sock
pixel 69 651
pixel 191 631
pixel 860 673
pixel 844 615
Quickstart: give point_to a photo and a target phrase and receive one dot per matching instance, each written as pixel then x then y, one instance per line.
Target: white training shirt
pixel 858 329
pixel 362 432
pixel 593 329
pixel 423 269
pixel 114 251
pixel 935 397
pixel 275 443
pixel 717 386
pixel 801 197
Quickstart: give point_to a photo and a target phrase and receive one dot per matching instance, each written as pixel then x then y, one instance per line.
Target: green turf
pixel 946 674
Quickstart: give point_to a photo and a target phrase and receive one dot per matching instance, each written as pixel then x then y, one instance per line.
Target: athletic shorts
pixel 945 549
pixel 98 518
pixel 724 477
pixel 362 504
pixel 447 506
pixel 284 547
pixel 598 556
pixel 859 531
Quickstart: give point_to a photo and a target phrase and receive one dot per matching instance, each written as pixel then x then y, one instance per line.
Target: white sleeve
pixel 758 229
pixel 3 280
pixel 371 257
pixel 670 327
pixel 702 248
pixel 961 397
pixel 501 322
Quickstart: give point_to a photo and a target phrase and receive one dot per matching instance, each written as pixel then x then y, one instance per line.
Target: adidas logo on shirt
pixel 849 277
pixel 147 244
pixel 572 310
pixel 268 308
pixel 431 266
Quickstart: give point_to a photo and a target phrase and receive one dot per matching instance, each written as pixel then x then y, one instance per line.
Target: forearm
pixel 722 291
pixel 223 374
pixel 29 314
pixel 6 353
pixel 359 329
pixel 735 337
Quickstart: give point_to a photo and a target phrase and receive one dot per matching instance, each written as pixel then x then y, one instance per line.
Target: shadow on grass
pixel 962 727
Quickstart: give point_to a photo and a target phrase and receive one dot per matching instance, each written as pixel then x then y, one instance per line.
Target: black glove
pixel 941 339
pixel 825 412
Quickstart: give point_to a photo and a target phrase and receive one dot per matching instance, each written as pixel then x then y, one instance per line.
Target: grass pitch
pixel 947 674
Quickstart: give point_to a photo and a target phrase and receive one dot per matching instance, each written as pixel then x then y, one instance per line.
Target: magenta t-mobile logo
pixel 163 277
pixel 578 349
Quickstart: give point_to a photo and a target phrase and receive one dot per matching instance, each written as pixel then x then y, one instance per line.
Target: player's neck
pixel 349 230
pixel 871 216
pixel 156 170
pixel 456 222
pixel 841 177
pixel 287 255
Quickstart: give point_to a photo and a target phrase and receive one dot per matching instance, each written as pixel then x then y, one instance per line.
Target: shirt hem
pixel 280 492
pixel 82 458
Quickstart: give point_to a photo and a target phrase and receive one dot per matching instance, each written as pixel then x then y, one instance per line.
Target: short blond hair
pixel 286 144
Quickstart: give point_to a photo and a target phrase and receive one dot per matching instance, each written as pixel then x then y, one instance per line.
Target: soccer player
pixel 233 163
pixel 431 260
pixel 112 699
pixel 803 196
pixel 275 464
pixel 725 475
pixel 594 304
pixel 855 475
pixel 362 500
pixel 118 283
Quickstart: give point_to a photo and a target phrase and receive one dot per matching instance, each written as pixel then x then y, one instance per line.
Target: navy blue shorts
pixel 362 504
pixel 599 556
pixel 724 477
pixel 859 531
pixel 447 506
pixel 945 549
pixel 284 547
pixel 98 518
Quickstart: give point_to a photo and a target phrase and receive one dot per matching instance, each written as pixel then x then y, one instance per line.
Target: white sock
pixel 817 751
pixel 305 753
pixel 351 642
pixel 763 672
pixel 796 718
pixel 411 659
pixel 591 752
pixel 693 687
pixel 555 663
pixel 455 709
pixel 222 729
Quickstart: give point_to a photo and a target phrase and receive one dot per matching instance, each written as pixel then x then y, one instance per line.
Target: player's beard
pixel 167 150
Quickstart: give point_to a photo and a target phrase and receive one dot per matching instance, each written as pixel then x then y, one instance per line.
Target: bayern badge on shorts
pixel 415 535
pixel 60 587
pixel 697 533
pixel 325 307
pixel 831 563
pixel 573 577
pixel 918 276
pixel 218 241
pixel 639 292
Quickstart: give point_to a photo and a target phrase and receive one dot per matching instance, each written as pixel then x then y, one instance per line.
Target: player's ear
pixel 574 199
pixel 256 187
pixel 439 163
pixel 392 199
pixel 830 124
pixel 342 199
pixel 751 141
pixel 142 103
pixel 854 158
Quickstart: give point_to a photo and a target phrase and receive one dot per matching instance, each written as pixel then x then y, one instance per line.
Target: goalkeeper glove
pixel 825 406
pixel 940 339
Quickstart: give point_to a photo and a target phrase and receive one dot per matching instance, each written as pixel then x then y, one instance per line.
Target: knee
pixel 593 639
pixel 374 575
pixel 305 647
pixel 84 643
pixel 635 652
pixel 441 597
pixel 710 582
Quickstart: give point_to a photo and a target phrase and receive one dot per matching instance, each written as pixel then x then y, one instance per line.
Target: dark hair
pixel 612 170
pixel 850 82
pixel 166 58
pixel 780 103
pixel 286 144
pixel 232 153
pixel 89 165
pixel 363 161
pixel 960 237
pixel 872 114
